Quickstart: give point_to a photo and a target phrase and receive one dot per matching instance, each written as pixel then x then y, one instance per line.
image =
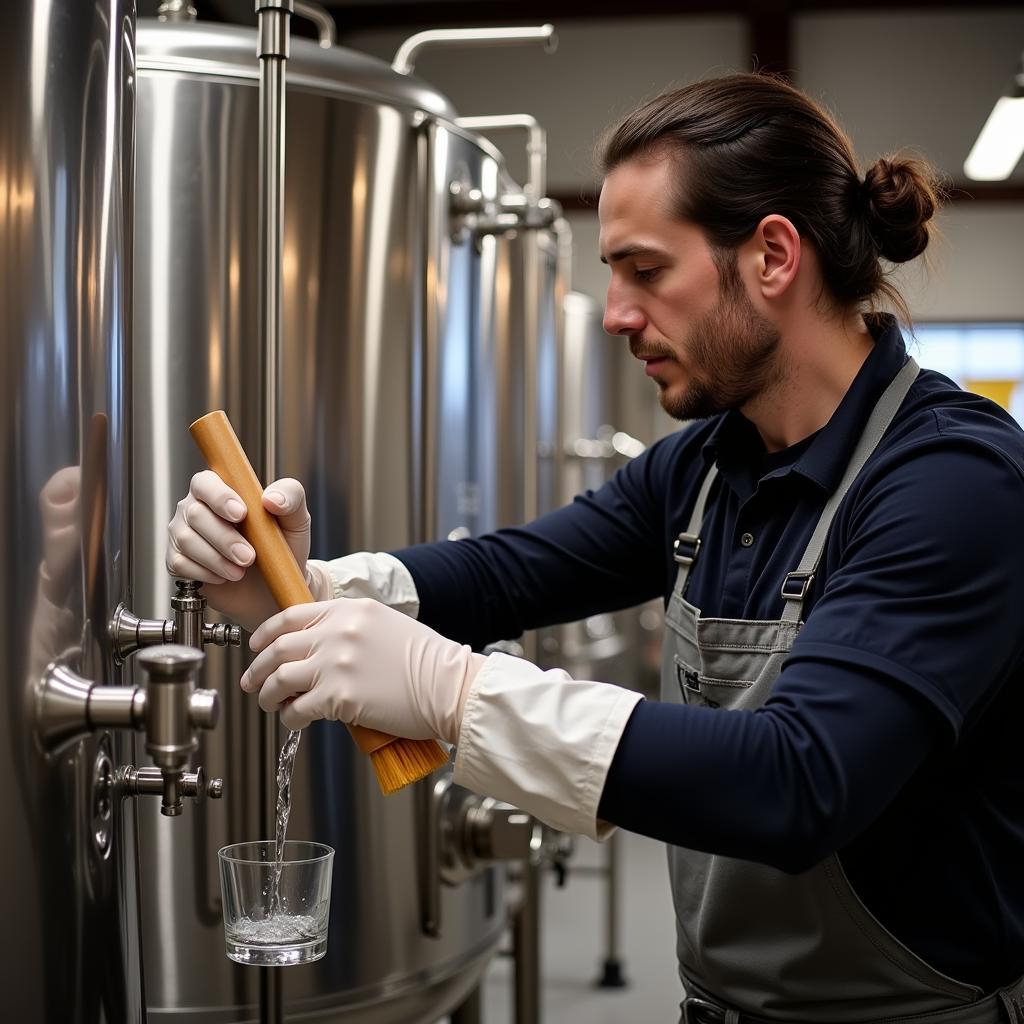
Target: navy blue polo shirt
pixel 893 733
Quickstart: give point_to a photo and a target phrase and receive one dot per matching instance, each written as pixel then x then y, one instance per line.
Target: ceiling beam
pixel 415 15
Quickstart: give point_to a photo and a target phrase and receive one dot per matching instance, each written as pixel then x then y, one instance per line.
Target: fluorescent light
pixel 1000 144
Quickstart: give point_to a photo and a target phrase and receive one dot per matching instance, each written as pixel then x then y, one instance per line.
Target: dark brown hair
pixel 750 145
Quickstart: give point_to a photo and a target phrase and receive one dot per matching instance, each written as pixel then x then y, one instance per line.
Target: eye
pixel 646 273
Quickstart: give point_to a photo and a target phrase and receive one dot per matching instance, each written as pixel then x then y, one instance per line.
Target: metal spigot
pixel 128 633
pixel 167 706
pixel 175 709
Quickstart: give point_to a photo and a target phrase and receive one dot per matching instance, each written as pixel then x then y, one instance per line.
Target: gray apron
pixel 754 941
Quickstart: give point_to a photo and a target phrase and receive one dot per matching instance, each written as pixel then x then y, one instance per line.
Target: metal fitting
pixel 150 781
pixel 176 10
pixel 128 633
pixel 493 830
pixel 273 35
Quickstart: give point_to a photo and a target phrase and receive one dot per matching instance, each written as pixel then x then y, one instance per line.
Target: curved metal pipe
pixel 405 58
pixel 325 25
pixel 536 144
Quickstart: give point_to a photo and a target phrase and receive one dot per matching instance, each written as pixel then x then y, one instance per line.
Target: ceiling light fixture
pixel 1001 142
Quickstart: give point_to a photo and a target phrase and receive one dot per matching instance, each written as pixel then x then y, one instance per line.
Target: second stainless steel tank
pixel 609 647
pixel 382 299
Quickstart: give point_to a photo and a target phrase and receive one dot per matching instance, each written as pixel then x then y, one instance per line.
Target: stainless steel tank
pixel 609 647
pixel 69 951
pixel 384 294
pixel 519 411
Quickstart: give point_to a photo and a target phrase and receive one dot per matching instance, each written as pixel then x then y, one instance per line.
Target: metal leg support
pixel 611 970
pixel 526 949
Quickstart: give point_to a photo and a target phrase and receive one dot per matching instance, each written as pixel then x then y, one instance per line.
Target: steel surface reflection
pixel 70 951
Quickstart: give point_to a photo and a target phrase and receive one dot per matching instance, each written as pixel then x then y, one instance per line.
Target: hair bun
pixel 901 196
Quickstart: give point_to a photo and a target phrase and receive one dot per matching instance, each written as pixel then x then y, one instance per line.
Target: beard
pixel 732 351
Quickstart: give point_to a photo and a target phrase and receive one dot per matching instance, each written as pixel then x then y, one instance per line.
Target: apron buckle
pixel 700 1011
pixel 685 548
pixel 796 585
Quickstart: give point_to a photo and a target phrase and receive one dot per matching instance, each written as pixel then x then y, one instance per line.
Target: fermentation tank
pixel 610 647
pixel 386 300
pixel 69 951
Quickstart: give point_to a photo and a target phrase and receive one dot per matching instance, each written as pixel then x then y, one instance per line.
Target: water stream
pixel 285 766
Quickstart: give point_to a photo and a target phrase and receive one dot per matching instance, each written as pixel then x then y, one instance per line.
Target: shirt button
pixel 747 539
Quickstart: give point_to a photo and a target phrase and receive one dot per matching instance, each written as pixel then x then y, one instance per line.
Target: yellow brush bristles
pixel 402 762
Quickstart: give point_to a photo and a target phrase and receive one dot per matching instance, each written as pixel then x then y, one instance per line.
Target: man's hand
pixel 203 543
pixel 357 661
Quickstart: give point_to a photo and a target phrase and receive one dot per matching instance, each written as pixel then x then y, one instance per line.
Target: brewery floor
pixel 572 944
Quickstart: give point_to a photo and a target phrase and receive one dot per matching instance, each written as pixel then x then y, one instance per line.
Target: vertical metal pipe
pixel 532 270
pixel 563 285
pixel 432 184
pixel 272 45
pixel 273 52
pixel 526 949
pixel 612 918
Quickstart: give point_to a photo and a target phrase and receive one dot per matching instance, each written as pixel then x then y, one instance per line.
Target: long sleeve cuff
pixel 542 741
pixel 376 575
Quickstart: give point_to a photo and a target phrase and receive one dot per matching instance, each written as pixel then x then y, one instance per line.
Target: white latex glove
pixel 204 544
pixel 357 661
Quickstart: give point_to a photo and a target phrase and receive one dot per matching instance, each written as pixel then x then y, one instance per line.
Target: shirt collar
pixel 736 446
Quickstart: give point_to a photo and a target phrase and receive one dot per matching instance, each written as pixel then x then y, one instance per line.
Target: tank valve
pixel 150 781
pixel 496 831
pixel 167 707
pixel 128 633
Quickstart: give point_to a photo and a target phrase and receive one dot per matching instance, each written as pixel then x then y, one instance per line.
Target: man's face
pixel 695 329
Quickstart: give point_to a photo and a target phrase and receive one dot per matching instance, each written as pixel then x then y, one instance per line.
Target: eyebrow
pixel 633 250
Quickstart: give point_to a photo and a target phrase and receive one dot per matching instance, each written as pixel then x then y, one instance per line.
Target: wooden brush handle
pixel 274 559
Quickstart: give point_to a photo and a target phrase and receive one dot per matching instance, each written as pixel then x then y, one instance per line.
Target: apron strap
pixel 687 544
pixel 797 584
pixel 1005 1006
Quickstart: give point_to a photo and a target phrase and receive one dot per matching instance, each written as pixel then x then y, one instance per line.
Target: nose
pixel 621 314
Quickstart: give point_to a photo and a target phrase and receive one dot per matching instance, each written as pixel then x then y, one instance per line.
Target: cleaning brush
pixel 396 761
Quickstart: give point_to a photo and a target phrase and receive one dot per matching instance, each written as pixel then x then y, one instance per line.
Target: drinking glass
pixel 275 925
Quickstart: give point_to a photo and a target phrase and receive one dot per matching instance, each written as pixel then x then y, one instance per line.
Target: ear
pixel 777 243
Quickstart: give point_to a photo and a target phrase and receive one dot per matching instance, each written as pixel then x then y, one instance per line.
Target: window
pixel 985 358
